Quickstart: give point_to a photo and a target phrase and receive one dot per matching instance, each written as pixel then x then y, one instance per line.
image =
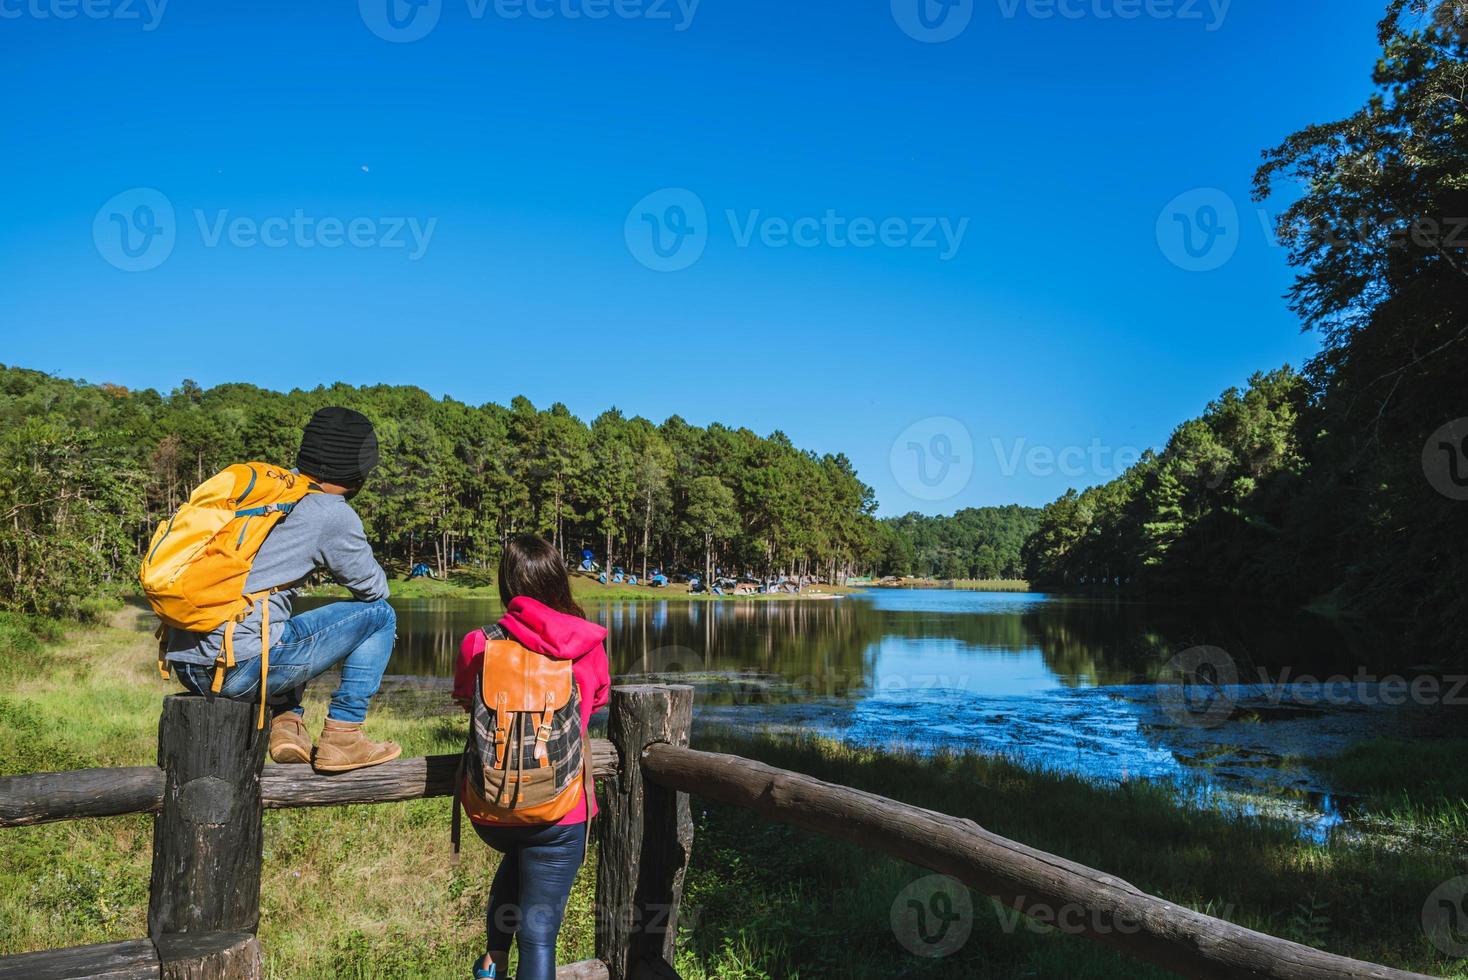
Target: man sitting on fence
pixel 320 532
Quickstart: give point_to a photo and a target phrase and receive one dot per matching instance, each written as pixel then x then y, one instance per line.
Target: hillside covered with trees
pixel 1346 484
pixel 87 471
pixel 975 543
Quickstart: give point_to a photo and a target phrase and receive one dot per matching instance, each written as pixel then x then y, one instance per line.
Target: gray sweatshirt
pixel 322 533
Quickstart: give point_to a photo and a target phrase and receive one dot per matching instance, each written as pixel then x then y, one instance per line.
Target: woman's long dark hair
pixel 533 568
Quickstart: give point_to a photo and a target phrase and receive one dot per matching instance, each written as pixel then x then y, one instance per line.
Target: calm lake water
pixel 1081 685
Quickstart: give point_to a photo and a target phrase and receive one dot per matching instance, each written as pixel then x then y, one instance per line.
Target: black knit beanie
pixel 338 446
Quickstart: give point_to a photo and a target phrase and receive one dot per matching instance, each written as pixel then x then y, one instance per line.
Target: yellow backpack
pixel 197 563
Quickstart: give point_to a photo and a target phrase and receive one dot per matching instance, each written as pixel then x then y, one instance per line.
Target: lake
pixel 1084 685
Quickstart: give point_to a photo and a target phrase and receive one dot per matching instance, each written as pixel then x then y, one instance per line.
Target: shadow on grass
pixel 774 901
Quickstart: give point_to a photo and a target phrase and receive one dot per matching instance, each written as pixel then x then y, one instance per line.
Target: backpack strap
pixel 543 730
pixel 226 661
pixel 162 634
pixel 588 791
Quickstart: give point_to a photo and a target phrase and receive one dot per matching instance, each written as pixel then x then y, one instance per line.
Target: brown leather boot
pixel 289 743
pixel 342 748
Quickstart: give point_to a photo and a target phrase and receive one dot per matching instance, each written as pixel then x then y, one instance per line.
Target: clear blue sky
pixel 1059 320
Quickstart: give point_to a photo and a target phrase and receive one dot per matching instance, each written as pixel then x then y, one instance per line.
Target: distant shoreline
pixel 584 588
pixel 960 584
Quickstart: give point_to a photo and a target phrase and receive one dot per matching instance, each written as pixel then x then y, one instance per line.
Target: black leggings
pixel 528 897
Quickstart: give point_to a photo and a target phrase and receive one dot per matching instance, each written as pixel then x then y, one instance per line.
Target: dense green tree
pixel 711 516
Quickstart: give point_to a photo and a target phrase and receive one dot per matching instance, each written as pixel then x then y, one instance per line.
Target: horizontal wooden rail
pixel 1050 888
pixel 50 796
pixel 46 796
pixel 183 956
pixel 225 956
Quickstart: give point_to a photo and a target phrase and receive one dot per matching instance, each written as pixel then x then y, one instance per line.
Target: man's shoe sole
pixel 291 755
pixel 356 765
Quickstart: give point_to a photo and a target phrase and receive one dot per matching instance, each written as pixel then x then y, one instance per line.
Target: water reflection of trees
pixel 833 644
pixel 1109 641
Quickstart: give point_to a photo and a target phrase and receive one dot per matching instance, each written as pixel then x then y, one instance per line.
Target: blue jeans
pixel 357 635
pixel 528 897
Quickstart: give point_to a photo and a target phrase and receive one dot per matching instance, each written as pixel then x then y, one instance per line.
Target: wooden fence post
pixel 207 839
pixel 646 837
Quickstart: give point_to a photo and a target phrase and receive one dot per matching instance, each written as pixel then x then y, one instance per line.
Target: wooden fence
pixel 210 788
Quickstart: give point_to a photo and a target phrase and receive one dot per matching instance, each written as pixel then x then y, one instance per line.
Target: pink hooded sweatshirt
pixel 541 629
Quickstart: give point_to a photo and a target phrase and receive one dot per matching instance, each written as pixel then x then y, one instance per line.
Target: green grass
pixel 778 902
pixel 369 892
pixel 366 891
pixel 1421 785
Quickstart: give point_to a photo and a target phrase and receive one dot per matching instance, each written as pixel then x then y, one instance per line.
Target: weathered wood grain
pixel 208 836
pixel 210 956
pixel 585 970
pixel 132 960
pixel 402 779
pixel 1086 902
pixel 46 796
pixel 646 834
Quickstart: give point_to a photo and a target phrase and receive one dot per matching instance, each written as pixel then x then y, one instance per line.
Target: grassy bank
pixel 1420 786
pixel 369 891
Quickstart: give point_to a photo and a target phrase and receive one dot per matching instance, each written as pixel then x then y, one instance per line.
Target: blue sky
pixel 960 261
